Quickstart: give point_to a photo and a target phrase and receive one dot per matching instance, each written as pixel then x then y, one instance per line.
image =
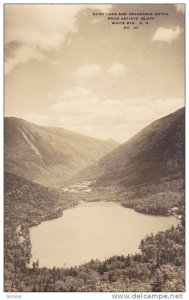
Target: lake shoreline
pixel 94 207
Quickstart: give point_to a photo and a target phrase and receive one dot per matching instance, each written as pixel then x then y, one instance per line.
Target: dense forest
pixel 156 152
pixel 26 204
pixel 157 198
pixel 158 267
pixel 154 198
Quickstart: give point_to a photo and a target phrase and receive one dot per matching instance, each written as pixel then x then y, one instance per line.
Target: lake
pixel 93 230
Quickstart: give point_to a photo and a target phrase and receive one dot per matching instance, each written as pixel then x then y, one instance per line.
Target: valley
pixel 84 186
pixel 144 176
pixel 49 155
pixel 132 272
pixel 93 150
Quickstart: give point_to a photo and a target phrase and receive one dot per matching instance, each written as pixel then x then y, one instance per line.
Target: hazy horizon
pixel 109 138
pixel 68 68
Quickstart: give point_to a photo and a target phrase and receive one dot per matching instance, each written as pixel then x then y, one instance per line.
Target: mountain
pixel 29 202
pixel 154 155
pixel 48 155
pixel 26 203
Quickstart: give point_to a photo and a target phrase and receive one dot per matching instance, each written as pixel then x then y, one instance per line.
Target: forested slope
pixel 159 267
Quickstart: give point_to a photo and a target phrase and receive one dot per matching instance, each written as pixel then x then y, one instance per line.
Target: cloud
pixel 41 27
pixel 92 113
pixel 76 101
pixel 21 55
pixel 88 71
pixel 89 113
pixel 117 70
pixel 180 8
pixel 44 26
pixel 94 71
pixel 168 35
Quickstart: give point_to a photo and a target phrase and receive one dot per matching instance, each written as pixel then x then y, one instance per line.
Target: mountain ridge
pixel 159 144
pixel 48 155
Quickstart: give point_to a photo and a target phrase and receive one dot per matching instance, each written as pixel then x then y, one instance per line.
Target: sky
pixel 68 66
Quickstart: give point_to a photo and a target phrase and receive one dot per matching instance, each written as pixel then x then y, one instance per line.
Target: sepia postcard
pixel 94 150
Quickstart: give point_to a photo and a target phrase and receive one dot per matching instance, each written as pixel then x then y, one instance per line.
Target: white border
pixel 83 296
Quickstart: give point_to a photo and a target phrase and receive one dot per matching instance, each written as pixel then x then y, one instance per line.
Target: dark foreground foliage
pixel 158 267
